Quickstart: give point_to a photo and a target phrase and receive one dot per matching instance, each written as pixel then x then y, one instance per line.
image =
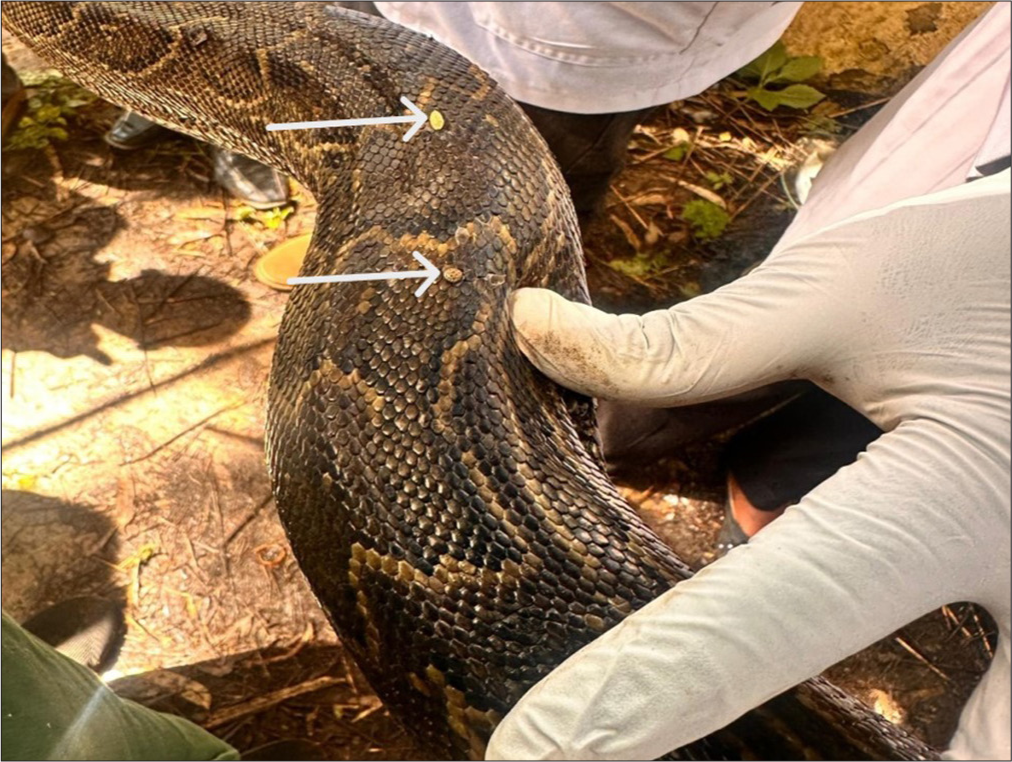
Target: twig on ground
pixel 107 303
pixel 162 341
pixel 248 519
pixel 13 372
pixel 862 107
pixel 147 319
pixel 921 658
pixel 212 361
pixel 982 632
pixel 693 143
pixel 141 339
pixel 183 433
pixel 629 206
pixel 216 504
pixel 300 642
pixel 762 188
pixel 268 700
pixel 651 155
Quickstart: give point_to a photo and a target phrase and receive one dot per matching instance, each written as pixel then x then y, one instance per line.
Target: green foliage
pixel 794 96
pixel 641 265
pixel 798 69
pixel 706 219
pixel 677 152
pixel 681 145
pixel 822 125
pixel 718 180
pixel 271 219
pixel 778 77
pixel 53 101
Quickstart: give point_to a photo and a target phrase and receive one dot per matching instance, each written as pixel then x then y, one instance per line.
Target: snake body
pixel 444 500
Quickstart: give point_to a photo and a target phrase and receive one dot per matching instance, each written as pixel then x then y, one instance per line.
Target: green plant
pixel 718 180
pixel 641 265
pixel 53 100
pixel 268 218
pixel 681 145
pixel 778 77
pixel 678 151
pixel 705 218
pixel 821 125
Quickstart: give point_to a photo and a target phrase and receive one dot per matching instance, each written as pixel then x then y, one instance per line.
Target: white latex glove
pixel 902 313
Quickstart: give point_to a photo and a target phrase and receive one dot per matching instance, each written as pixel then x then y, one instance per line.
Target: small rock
pixel 37 233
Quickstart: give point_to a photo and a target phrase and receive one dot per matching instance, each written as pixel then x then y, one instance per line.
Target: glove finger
pixel 574 344
pixel 882 542
pixel 713 346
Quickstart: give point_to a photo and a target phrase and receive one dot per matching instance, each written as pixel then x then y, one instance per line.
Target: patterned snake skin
pixel 443 499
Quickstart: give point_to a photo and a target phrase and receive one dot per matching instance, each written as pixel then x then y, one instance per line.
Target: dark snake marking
pixel 442 498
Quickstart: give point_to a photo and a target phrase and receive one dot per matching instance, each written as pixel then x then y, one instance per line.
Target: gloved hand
pixel 903 314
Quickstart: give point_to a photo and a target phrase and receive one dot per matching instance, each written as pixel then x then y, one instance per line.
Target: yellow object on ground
pixel 282 262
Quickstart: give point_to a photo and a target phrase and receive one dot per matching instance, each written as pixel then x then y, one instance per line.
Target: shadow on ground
pixel 257 697
pixel 54 550
pixel 57 286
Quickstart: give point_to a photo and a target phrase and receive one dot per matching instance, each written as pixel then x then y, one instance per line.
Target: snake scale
pixel 444 500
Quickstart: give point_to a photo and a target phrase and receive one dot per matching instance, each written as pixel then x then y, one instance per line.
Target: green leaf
pixel 798 96
pixel 677 153
pixel 706 219
pixel 765 98
pixel 763 67
pixel 795 96
pixel 799 69
pixel 272 218
pixel 642 265
pixel 820 124
pixel 48 113
pixel 718 180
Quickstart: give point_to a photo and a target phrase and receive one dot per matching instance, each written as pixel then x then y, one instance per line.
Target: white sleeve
pixel 601 57
pixel 904 314
pixel 882 542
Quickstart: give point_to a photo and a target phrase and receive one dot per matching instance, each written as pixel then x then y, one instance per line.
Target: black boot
pixel 132 131
pixel 591 149
pixel 88 630
pixel 254 183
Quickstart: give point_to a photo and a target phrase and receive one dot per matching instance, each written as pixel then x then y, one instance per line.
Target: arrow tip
pixel 420 118
pixel 431 269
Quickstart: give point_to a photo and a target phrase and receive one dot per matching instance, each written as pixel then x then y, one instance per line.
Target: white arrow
pixel 430 273
pixel 416 120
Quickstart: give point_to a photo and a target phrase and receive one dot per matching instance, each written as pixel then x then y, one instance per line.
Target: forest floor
pixel 136 349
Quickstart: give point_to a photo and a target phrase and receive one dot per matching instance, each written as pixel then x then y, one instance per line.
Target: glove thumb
pixel 711 347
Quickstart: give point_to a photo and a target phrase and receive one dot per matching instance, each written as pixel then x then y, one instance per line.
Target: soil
pixel 136 348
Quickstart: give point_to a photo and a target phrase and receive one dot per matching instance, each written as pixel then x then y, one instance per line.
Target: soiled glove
pixel 902 313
